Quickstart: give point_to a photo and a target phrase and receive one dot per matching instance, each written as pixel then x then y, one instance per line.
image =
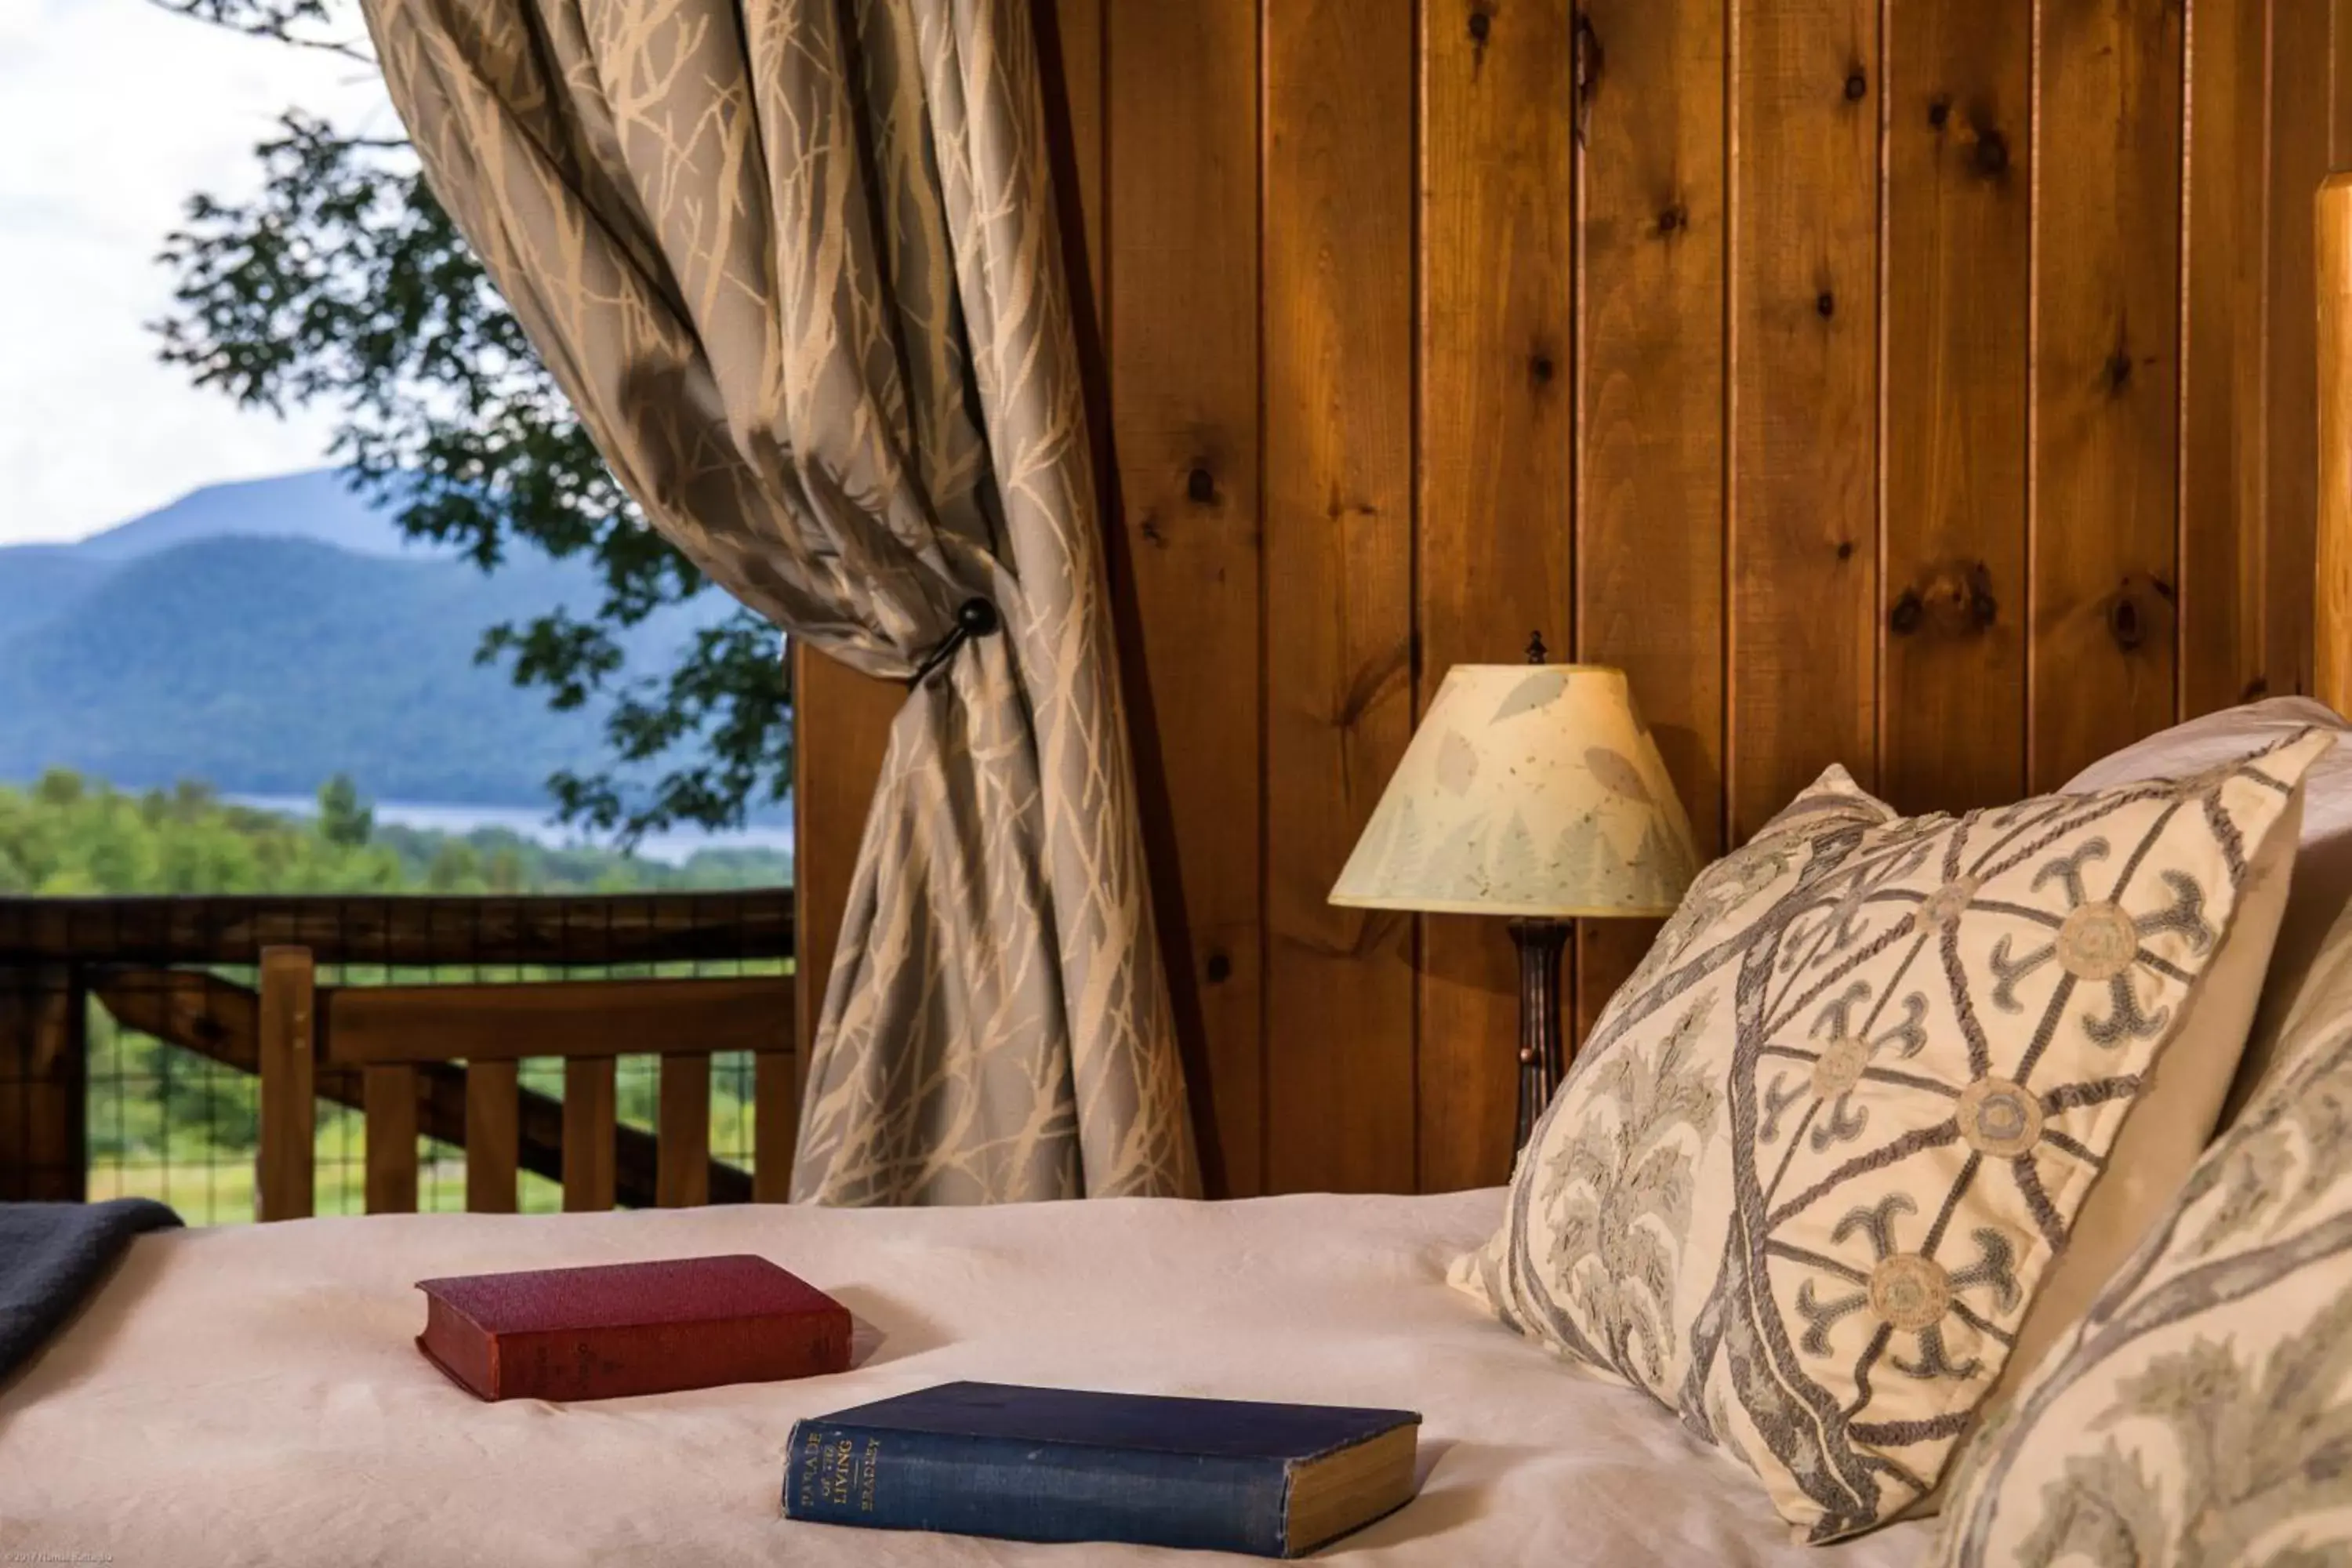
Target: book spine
pixel 609 1363
pixel 466 1354
pixel 1021 1490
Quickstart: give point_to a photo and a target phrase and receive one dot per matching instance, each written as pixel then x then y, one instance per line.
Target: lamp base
pixel 1539 942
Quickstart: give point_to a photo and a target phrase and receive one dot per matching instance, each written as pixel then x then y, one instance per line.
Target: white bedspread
pixel 252 1396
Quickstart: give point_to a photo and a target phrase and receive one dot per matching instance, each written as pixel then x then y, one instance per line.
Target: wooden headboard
pixel 1832 366
pixel 2332 608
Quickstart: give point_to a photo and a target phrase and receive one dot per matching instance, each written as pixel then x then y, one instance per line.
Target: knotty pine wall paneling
pixel 2224 392
pixel 2304 39
pixel 2105 420
pixel 1650 482
pixel 1339 340
pixel 1495 523
pixel 1923 385
pixel 1803 353
pixel 1182 91
pixel 1957 107
pixel 2339 86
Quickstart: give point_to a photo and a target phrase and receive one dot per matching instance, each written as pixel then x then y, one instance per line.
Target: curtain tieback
pixel 975 617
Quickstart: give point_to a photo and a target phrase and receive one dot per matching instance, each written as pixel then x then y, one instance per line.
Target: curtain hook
pixel 975 617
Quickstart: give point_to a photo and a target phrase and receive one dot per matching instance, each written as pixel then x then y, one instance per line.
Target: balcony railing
pixel 129 1023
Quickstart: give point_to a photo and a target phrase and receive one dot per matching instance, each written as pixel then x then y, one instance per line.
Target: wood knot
pixel 1825 304
pixel 1992 152
pixel 2118 370
pixel 1857 86
pixel 1845 549
pixel 2139 613
pixel 1954 599
pixel 1939 110
pixel 1540 369
pixel 1200 486
pixel 1481 26
pixel 1905 617
pixel 1983 608
pixel 1673 219
pixel 2125 623
pixel 1219 969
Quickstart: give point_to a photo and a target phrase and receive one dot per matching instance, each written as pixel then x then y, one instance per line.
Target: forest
pixel 67 836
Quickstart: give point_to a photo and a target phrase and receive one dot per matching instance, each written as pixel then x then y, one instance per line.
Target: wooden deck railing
pixel 153 964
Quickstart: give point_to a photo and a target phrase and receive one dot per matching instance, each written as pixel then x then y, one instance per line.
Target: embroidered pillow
pixel 2172 1119
pixel 2201 1412
pixel 2323 867
pixel 1813 1165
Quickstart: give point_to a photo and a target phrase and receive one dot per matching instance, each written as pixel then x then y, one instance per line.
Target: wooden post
pixel 588 1108
pixel 493 1131
pixel 682 1177
pixel 283 1186
pixel 390 1092
pixel 43 1064
pixel 2331 615
pixel 775 1118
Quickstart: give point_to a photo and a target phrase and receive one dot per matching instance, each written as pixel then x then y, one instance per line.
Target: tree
pixel 343 818
pixel 344 285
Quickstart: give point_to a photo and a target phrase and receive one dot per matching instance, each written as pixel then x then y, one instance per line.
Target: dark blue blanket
pixel 51 1255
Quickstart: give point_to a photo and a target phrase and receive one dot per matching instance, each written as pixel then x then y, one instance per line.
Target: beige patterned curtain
pixel 795 262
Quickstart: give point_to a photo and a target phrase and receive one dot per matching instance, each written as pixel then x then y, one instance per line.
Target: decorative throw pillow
pixel 1816 1160
pixel 2201 1412
pixel 2172 1119
pixel 2323 865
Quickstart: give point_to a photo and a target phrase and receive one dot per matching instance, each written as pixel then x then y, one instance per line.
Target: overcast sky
pixel 112 113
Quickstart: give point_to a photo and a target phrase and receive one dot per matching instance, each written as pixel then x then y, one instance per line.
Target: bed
pixel 251 1396
pixel 255 1390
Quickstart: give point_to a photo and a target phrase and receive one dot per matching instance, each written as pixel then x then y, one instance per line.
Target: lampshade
pixel 1530 789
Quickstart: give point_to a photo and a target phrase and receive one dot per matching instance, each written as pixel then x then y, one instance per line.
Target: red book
pixel 631 1328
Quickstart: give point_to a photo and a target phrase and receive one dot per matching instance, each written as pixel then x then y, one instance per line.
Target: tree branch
pixel 272 19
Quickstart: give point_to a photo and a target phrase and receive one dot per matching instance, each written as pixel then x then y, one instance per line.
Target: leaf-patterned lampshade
pixel 1528 790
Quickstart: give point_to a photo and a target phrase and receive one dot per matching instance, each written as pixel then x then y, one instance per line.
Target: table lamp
pixel 1532 791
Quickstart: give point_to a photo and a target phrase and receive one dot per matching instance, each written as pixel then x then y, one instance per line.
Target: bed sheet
pixel 253 1395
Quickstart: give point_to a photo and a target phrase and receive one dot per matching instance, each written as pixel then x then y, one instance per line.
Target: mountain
pixel 263 637
pixel 41 581
pixel 316 505
pixel 38 581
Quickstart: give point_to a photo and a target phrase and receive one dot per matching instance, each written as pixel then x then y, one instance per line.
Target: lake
pixel 673 846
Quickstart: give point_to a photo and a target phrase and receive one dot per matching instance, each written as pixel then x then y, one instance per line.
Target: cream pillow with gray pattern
pixel 1817 1159
pixel 2201 1414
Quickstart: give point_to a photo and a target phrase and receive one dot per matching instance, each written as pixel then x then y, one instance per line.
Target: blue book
pixel 1064 1464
